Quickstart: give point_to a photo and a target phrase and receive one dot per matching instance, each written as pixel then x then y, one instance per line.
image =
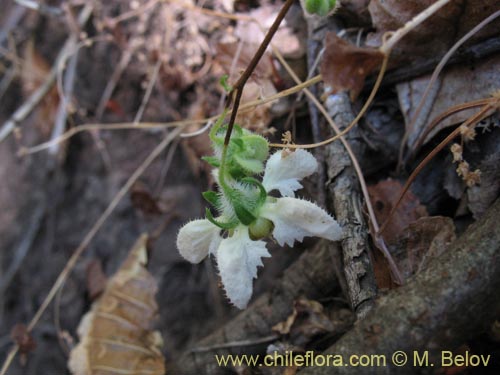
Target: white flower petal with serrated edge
pixel 285 168
pixel 295 219
pixel 197 239
pixel 238 258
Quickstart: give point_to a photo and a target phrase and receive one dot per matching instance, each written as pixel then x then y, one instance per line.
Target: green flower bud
pixel 260 228
pixel 320 7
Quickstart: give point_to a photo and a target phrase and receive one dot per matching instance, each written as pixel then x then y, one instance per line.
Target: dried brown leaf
pixel 450 23
pixel 306 321
pixel 116 335
pixel 345 66
pixel 259 85
pixel 384 195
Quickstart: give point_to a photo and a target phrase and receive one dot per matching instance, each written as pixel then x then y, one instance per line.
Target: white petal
pixel 295 219
pixel 238 258
pixel 197 239
pixel 285 168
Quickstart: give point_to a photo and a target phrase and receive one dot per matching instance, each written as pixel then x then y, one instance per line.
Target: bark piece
pixel 454 299
pixel 347 203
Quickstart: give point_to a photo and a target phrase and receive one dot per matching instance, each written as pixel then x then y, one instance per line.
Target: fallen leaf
pixel 459 84
pixel 384 195
pixel 306 321
pixel 116 335
pixel 259 85
pixel 285 40
pixel 451 22
pixel 345 66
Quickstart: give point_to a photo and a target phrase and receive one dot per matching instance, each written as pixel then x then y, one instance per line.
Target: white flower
pixel 284 169
pixel 238 256
pixel 197 239
pixel 295 219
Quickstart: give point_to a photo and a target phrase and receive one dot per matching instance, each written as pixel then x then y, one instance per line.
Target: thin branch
pixel 246 107
pixel 354 122
pixel 147 94
pixel 42 8
pixel 340 134
pixel 235 95
pixel 396 36
pixel 235 344
pixel 22 112
pixel 472 121
pixel 64 104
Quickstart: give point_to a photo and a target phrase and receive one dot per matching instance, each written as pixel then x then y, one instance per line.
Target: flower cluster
pixel 247 213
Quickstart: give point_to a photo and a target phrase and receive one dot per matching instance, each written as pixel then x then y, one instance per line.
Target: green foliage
pixel 320 7
pixel 240 194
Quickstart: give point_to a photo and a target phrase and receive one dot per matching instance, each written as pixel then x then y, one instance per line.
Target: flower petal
pixel 238 258
pixel 197 239
pixel 295 219
pixel 284 169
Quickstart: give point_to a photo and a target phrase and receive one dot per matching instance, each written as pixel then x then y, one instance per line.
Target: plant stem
pixel 235 94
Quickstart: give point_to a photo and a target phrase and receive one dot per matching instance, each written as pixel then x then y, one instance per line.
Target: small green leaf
pixel 320 7
pixel 243 214
pixel 226 226
pixel 212 197
pixel 223 82
pixel 238 143
pixel 212 160
pixel 241 207
pixel 249 165
pixel 263 192
pixel 256 146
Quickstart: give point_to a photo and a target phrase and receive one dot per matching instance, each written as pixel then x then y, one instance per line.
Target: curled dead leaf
pixel 306 321
pixel 116 335
pixel 384 195
pixel 345 66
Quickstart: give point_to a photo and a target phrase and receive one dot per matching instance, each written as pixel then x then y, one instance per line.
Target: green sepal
pixel 238 142
pixel 250 165
pixel 243 213
pixel 262 189
pixel 226 226
pixel 212 197
pixel 212 160
pixel 256 146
